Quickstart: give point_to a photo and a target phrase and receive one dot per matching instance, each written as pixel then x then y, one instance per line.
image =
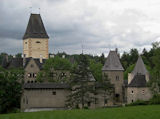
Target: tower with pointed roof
pixel 137 88
pixel 35 39
pixel 138 69
pixel 113 68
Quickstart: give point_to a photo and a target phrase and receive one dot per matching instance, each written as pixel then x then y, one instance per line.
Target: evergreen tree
pixel 10 89
pixel 106 88
pixel 51 67
pixel 102 59
pixel 82 89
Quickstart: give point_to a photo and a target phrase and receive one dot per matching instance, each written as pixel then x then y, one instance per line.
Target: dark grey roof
pixel 35 28
pixel 5 62
pixel 40 65
pixel 138 81
pixel 112 62
pixel 18 62
pixel 140 67
pixel 15 63
pixel 37 61
pixel 45 86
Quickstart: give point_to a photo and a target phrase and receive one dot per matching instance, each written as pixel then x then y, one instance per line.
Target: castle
pixel 49 96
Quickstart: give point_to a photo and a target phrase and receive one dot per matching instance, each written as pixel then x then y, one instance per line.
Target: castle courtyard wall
pixel 44 98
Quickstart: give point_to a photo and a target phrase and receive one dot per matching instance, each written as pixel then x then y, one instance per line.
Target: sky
pixel 97 26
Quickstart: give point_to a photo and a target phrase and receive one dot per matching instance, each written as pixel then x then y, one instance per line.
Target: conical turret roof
pixel 35 28
pixel 112 63
pixel 140 67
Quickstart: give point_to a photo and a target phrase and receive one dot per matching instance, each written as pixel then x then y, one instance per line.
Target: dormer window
pixel 38 42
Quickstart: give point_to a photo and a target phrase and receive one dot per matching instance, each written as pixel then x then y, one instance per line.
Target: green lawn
pixel 135 112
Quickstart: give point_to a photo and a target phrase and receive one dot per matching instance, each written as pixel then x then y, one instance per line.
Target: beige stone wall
pixel 33 49
pixel 117 83
pixel 44 98
pixel 30 70
pixel 101 97
pixel 134 94
pixel 130 77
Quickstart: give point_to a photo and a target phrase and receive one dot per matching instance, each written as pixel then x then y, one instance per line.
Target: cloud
pixel 98 25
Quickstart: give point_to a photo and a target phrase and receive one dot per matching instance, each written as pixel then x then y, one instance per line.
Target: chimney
pixel 6 58
pixel 116 50
pixel 24 59
pixel 41 59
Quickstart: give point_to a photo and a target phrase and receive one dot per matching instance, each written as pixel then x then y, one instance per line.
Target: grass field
pixel 135 112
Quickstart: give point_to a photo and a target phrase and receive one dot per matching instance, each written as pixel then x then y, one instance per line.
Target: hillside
pixel 136 112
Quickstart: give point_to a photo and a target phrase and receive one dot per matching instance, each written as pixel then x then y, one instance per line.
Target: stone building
pixel 113 68
pixel 44 96
pixel 137 88
pixel 50 95
pixel 32 67
pixel 35 39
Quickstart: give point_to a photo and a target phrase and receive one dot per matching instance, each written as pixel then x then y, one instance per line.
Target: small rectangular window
pixel 38 42
pixel 105 101
pixel 143 92
pixel 34 75
pixel 53 93
pixel 132 92
pixel 29 75
pixel 89 104
pixel 117 78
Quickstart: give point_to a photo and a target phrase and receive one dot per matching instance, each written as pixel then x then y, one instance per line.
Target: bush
pixel 85 107
pixel 138 102
pixel 155 99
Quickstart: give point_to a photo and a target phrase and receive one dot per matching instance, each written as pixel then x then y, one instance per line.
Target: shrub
pixel 85 107
pixel 155 99
pixel 138 102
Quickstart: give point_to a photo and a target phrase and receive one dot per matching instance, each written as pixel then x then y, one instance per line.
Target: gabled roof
pixel 140 67
pixel 37 61
pixel 113 62
pixel 18 63
pixel 15 63
pixel 138 81
pixel 46 86
pixel 35 28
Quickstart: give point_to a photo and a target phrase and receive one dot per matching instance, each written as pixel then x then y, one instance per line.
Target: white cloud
pixel 100 24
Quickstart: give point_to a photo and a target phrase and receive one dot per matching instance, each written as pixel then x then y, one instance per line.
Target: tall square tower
pixel 113 68
pixel 35 39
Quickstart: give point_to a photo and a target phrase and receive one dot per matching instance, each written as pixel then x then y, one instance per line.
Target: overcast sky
pixel 100 25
